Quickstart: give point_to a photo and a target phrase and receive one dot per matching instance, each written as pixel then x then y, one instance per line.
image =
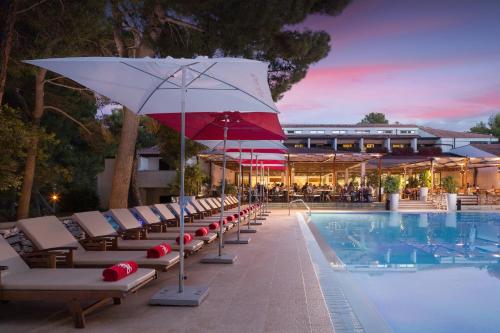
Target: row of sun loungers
pixel 124 237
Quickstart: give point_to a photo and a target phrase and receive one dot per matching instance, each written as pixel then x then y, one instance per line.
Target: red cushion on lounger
pixel 159 250
pixel 224 222
pixel 187 239
pixel 230 218
pixel 119 271
pixel 235 216
pixel 202 231
pixel 213 226
pixel 242 212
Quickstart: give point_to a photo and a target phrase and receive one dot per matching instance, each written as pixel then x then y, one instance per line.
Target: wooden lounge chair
pixel 49 234
pixel 19 282
pixel 205 211
pixel 128 222
pixel 148 216
pixel 207 205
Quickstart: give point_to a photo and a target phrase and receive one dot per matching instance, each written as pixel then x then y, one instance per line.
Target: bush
pixel 392 184
pixel 425 178
pixel 450 185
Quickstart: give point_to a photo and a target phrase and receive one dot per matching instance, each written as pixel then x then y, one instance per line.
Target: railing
pixel 439 201
pixel 298 200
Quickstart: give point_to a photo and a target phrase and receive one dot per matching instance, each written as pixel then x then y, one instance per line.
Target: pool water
pixel 424 272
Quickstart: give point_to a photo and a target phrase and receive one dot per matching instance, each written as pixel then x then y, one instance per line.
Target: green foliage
pixel 413 182
pixel 193 179
pixel 373 179
pixel 450 184
pixel 374 118
pixel 493 126
pixel 229 188
pixel 14 141
pixel 392 184
pixel 169 143
pixel 424 178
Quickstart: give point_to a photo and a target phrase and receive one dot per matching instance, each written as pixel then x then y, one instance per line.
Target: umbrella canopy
pixel 247 146
pixel 152 85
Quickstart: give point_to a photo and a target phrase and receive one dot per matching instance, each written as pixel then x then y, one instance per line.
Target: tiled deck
pixel 271 288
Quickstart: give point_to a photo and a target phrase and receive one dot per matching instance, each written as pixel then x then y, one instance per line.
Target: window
pixel 370 145
pixel 298 145
pixel 347 145
pixel 406 131
pixel 362 131
pixel 398 145
pixel 384 131
pixel 338 132
pixel 317 132
pixel 294 132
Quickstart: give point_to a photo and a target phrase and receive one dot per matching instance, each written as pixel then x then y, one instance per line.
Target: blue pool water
pixel 423 272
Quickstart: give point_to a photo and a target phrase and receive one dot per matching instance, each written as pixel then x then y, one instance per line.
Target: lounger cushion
pixel 47 232
pixel 71 279
pixel 98 258
pixel 119 271
pixel 164 211
pixel 147 214
pixel 94 224
pixel 145 244
pixel 125 218
pixel 159 250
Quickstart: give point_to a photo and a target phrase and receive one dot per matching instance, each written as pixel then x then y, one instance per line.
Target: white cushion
pixel 147 214
pixel 125 219
pixel 94 224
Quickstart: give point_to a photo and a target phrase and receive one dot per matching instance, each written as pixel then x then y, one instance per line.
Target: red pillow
pixel 235 216
pixel 202 231
pixel 213 226
pixel 119 271
pixel 159 250
pixel 187 239
pixel 229 218
pixel 224 222
pixel 242 212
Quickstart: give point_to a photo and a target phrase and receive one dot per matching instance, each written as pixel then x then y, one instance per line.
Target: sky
pixel 427 62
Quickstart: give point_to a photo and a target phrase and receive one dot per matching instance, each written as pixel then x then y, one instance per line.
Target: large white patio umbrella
pixel 188 95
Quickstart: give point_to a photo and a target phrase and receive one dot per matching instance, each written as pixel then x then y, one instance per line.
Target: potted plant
pixel 392 185
pixel 451 187
pixel 425 183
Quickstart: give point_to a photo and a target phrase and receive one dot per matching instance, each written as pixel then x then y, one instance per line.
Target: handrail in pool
pixel 298 200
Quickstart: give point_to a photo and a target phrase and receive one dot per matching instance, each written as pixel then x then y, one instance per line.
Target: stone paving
pixel 271 288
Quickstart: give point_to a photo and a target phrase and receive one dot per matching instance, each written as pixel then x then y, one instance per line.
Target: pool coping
pixel 350 309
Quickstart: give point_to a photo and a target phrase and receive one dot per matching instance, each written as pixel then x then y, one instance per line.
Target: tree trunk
pixel 29 169
pixel 135 198
pixel 8 10
pixel 124 161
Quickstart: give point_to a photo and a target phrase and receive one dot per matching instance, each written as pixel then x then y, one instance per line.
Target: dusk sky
pixel 432 62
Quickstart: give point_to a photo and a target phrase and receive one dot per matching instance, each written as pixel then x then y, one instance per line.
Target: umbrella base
pixel 242 240
pixel 222 259
pixel 264 214
pixel 248 231
pixel 257 223
pixel 170 296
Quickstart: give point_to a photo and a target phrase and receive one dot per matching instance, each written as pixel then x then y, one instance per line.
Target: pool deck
pixel 271 288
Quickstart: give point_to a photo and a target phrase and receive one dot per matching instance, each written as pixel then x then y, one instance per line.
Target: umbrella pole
pixel 183 171
pixel 240 181
pixel 220 258
pixel 190 295
pixel 249 230
pixel 223 188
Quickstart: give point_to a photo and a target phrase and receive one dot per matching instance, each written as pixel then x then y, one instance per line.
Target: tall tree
pixel 493 126
pixel 374 118
pixel 261 29
pixel 8 9
pixel 53 29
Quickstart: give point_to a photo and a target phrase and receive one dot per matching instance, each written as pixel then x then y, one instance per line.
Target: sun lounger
pixel 205 211
pixel 47 233
pixel 19 282
pixel 148 216
pixel 127 221
pixel 207 205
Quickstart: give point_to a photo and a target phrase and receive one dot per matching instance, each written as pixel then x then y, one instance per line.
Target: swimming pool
pixel 422 272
